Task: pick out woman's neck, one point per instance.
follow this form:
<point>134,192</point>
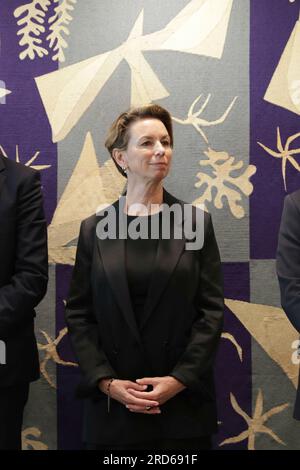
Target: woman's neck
<point>143,200</point>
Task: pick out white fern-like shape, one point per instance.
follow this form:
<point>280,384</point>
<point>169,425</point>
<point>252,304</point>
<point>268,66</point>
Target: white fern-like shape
<point>32,26</point>
<point>59,22</point>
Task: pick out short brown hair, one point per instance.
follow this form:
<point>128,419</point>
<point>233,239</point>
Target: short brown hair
<point>118,133</point>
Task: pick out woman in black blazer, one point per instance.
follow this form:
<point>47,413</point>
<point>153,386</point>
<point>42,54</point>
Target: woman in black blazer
<point>145,314</point>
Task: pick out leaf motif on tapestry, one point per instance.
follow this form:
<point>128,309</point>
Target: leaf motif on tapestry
<point>222,183</point>
<point>284,153</point>
<point>89,187</point>
<point>284,87</point>
<point>255,423</point>
<point>58,27</point>
<point>32,19</point>
<point>200,28</point>
<point>197,122</point>
<point>29,162</point>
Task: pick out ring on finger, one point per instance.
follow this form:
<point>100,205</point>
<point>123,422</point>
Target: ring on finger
<point>148,408</point>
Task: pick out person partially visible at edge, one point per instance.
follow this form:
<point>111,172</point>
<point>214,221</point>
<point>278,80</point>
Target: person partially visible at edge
<point>288,267</point>
<point>145,315</point>
<point>23,284</point>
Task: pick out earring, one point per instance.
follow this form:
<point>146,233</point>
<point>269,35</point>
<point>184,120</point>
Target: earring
<point>124,168</point>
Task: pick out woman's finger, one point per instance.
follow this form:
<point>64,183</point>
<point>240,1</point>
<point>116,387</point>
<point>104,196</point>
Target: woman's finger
<point>131,400</point>
<point>136,386</point>
<point>143,395</point>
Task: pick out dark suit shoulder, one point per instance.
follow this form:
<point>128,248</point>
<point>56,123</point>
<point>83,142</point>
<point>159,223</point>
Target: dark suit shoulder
<point>293,198</point>
<point>88,225</point>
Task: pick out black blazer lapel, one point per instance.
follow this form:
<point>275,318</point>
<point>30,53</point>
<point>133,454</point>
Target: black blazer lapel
<point>112,252</point>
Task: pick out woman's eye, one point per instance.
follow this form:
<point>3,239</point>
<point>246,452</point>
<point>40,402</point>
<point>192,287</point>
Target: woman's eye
<point>147,142</point>
<point>166,143</point>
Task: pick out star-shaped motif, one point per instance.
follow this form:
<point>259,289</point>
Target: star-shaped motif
<point>29,162</point>
<point>256,424</point>
<point>285,153</point>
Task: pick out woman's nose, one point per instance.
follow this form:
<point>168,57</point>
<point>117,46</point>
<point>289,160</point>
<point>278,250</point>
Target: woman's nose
<point>159,149</point>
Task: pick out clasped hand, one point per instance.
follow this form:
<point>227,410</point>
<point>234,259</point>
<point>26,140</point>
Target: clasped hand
<point>135,397</point>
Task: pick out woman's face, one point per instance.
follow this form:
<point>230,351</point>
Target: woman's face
<point>149,153</point>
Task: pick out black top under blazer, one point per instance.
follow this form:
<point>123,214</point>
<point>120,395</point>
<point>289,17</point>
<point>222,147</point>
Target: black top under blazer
<point>288,267</point>
<point>178,335</point>
<point>23,269</point>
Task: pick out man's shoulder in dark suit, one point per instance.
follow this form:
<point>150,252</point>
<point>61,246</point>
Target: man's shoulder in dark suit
<point>18,170</point>
<point>294,197</point>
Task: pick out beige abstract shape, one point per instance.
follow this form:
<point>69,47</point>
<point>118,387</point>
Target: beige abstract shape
<point>221,165</point>
<point>232,339</point>
<point>256,424</point>
<point>197,122</point>
<point>271,329</point>
<point>284,89</point>
<point>145,85</point>
<point>89,186</point>
<point>285,153</point>
<point>4,92</point>
<point>204,30</point>
<point>29,439</point>
<point>68,92</point>
<point>51,353</point>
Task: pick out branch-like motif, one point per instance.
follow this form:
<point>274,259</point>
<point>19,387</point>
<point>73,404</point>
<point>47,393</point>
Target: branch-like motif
<point>198,122</point>
<point>222,166</point>
<point>59,22</point>
<point>31,27</point>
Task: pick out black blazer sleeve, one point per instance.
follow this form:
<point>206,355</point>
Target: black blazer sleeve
<point>200,352</point>
<point>288,261</point>
<point>28,284</point>
<point>82,325</point>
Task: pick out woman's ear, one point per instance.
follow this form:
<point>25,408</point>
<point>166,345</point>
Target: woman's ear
<point>117,155</point>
